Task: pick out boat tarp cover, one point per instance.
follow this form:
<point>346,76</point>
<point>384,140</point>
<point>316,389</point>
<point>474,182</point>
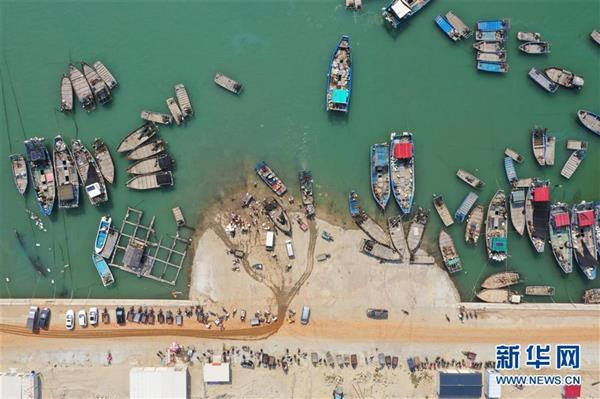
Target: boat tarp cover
<point>518,196</point>
<point>499,244</point>
<point>490,67</point>
<point>400,9</point>
<point>164,178</point>
<point>443,24</point>
<point>585,218</point>
<point>561,219</point>
<point>541,194</point>
<point>340,96</point>
<point>403,150</point>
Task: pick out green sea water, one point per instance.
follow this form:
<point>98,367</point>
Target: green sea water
<point>415,79</point>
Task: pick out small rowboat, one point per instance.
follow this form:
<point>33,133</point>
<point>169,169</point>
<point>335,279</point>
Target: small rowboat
<point>535,48</point>
<point>66,94</point>
<point>499,296</point>
<point>228,84</point>
<point>270,178</point>
<point>501,280</point>
<point>137,137</point>
<point>590,120</point>
<point>152,165</point>
<point>499,56</point>
<point>509,152</point>
<point>493,67</point>
<point>528,36</point>
<point>595,35</point>
<point>564,78</point>
<point>149,182</point>
<point>539,290</point>
<point>19,170</point>
<point>469,178</point>
<point>147,150</point>
<point>184,100</point>
<point>103,270</point>
<point>104,160</point>
<point>102,234</point>
<point>449,255</point>
<point>541,79</point>
<point>443,211</point>
<point>175,110</point>
<point>488,47</point>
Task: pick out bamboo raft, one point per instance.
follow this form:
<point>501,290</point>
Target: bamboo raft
<point>228,83</point>
<point>104,160</point>
<point>539,290</point>
<point>572,164</point>
<point>416,230</point>
<point>443,211</point>
<point>99,88</point>
<point>137,137</point>
<point>82,88</point>
<point>449,255</point>
<point>19,171</point>
<point>105,74</point>
<point>152,165</point>
<point>469,178</point>
<point>156,117</point>
<point>66,94</point>
<point>474,225</point>
<point>575,145</point>
<point>184,100</point>
<point>147,150</point>
<point>501,280</point>
<point>152,181</point>
<point>175,111</point>
<point>378,251</point>
<point>397,235</point>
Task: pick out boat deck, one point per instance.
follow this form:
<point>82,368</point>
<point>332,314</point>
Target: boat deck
<point>572,164</point>
<point>227,83</point>
<point>461,28</point>
<point>184,100</point>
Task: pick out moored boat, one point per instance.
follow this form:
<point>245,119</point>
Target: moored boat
<point>104,160</point>
<point>499,56</point>
<point>365,222</point>
<point>82,88</point>
<point>398,11</point>
<point>493,25</point>
<point>19,172</point>
<point>575,145</point>
<point>500,295</point>
<point>572,163</point>
<point>539,290</point>
<point>175,110</point>
<point>446,27</point>
<point>469,178</point>
<point>461,28</point>
<point>517,209</point>
<point>106,75</point>
<point>443,211</point>
<point>102,233</point>
<point>227,83</point>
<point>99,88</point>
<point>270,178</point>
<point>528,36</point>
<point>542,80</point>
<point>184,100</point>
<point>592,295</point>
<point>564,78</point>
<point>151,181</point>
<point>496,228</point>
<point>590,120</point>
<point>41,173</point>
<point>379,251</point>
<point>491,36</point>
<point>595,36</point>
<point>417,230</point>
<point>474,225</point>
<point>537,213</point>
<point>277,215</point>
<point>402,170</point>
<point>339,78</point>
<point>488,47</point>
<point>156,117</point>
<point>306,188</point>
<point>509,169</point>
<point>535,48</point>
<point>354,204</point>
<point>560,236</point>
<point>539,141</point>
<point>449,254</point>
<point>585,249</point>
<point>66,94</point>
<point>89,173</point>
<point>147,150</point>
<point>509,152</point>
<point>110,244</point>
<point>493,67</point>
<point>380,174</point>
<point>103,270</point>
<point>501,280</point>
<point>465,206</point>
<point>137,137</point>
<point>157,163</point>
<point>550,150</point>
<point>67,182</point>
<point>396,230</point>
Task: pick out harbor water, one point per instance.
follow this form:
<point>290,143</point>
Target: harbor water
<point>414,79</point>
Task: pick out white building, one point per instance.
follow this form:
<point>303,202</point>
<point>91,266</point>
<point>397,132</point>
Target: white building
<point>15,385</point>
<point>217,372</point>
<point>158,383</point>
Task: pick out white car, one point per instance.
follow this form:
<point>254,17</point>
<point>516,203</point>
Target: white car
<point>93,316</point>
<point>82,318</point>
<point>70,319</point>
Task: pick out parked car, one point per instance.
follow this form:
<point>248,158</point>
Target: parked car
<point>45,318</point>
<point>82,318</point>
<point>120,315</point>
<point>93,316</point>
<point>32,318</point>
<point>378,314</point>
<point>305,317</point>
<point>70,319</point>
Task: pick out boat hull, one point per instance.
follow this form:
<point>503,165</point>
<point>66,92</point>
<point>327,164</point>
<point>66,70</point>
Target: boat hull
<point>496,228</point>
<point>560,236</point>
<point>380,174</point>
<point>339,78</point>
<point>402,170</point>
<point>590,120</point>
<point>41,173</point>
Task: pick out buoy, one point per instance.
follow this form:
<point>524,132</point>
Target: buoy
<point>7,280</point>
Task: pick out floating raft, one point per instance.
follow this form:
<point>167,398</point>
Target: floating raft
<point>138,137</point>
<point>147,150</point>
<point>509,152</point>
<point>541,79</point>
<point>105,74</point>
<point>175,111</point>
<point>575,145</point>
<point>381,252</point>
<point>501,280</point>
<point>184,100</point>
<point>539,290</point>
<point>461,28</point>
<point>469,178</point>
<point>156,117</point>
<point>443,211</point>
<point>152,165</point>
<point>228,83</point>
<point>465,206</point>
<point>148,182</point>
<point>572,163</point>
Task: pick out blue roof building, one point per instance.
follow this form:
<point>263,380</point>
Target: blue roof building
<point>459,385</point>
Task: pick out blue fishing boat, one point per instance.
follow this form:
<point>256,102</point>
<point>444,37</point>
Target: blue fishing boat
<point>590,120</point>
<point>103,270</point>
<point>354,204</point>
<point>493,25</point>
<point>446,27</point>
<point>398,11</point>
<point>380,174</point>
<point>41,173</point>
<point>465,206</point>
<point>402,170</point>
<point>102,233</point>
<point>494,67</point>
<point>585,248</point>
<point>339,77</point>
<point>509,168</point>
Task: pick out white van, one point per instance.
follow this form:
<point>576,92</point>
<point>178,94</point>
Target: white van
<point>289,249</point>
<point>305,315</point>
<point>270,242</point>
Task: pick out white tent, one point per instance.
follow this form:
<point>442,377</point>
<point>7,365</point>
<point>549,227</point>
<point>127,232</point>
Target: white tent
<point>217,372</point>
<point>19,385</point>
<point>158,382</point>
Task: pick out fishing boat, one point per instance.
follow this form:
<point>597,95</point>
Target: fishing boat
<point>528,36</point>
<point>104,160</point>
<point>537,213</point>
<point>539,141</point>
<point>488,47</point>
<point>595,36</point>
<point>584,238</point>
<point>493,36</point>
<point>157,163</point>
<point>397,235</point>
<point>560,236</point>
<point>156,117</point>
<point>590,120</point>
<point>539,290</point>
<point>550,150</point>
<point>41,173</point>
<point>509,169</point>
<point>575,145</point>
<point>110,244</point>
<point>496,228</point>
<point>19,172</point>
<point>493,25</point>
<point>66,94</point>
<point>402,169</point>
<point>306,188</point>
<point>449,255</point>
<point>147,150</point>
<point>398,11</point>
<point>103,270</point>
<point>572,163</point>
<point>99,88</point>
<point>564,78</point>
<point>339,78</point>
<point>151,181</point>
<point>365,222</point>
<point>493,67</point>
<point>270,178</point>
<point>106,75</point>
<point>417,230</point>
<point>67,182</point>
<point>465,206</point>
<point>137,137</point>
<point>89,173</point>
<point>446,27</point>
<point>474,225</point>
<point>535,48</point>
<point>469,178</point>
<point>517,209</point>
<point>354,204</point>
<point>499,56</point>
<point>442,210</point>
<point>379,251</point>
<point>380,174</point>
<point>542,80</point>
<point>227,83</point>
<point>102,233</point>
<point>175,110</point>
<point>184,100</point>
<point>82,88</point>
<point>278,216</point>
<point>509,152</point>
<point>500,295</point>
<point>501,280</point>
<point>592,295</point>
<point>464,32</point>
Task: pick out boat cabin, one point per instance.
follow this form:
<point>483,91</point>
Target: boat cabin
<point>93,190</point>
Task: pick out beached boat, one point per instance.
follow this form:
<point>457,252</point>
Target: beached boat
<point>446,27</point>
<point>592,295</point>
<point>106,75</point>
<point>398,11</point>
<point>528,36</point>
<point>542,80</point>
<point>449,255</point>
<point>474,225</point>
<point>572,163</point>
<point>365,222</point>
<point>103,270</point>
<point>509,169</point>
<point>590,120</point>
<point>379,251</point>
<point>151,181</point>
<point>402,169</point>
<point>469,178</point>
<point>500,295</point>
<point>537,213</point>
<point>102,233</point>
<point>89,173</point>
<point>499,56</point>
<point>184,100</point>
<point>575,145</point>
<point>306,188</point>
<point>110,244</point>
<point>66,94</point>
<point>19,172</point>
<point>492,36</point>
<point>509,152</point>
<point>501,280</point>
<point>493,25</point>
<point>174,110</point>
<point>227,83</point>
<point>517,209</point>
<point>137,137</point>
<point>539,290</point>
<point>443,211</point>
<point>539,141</point>
<point>560,236</point>
<point>493,67</point>
<point>156,117</point>
<point>82,88</point>
<point>270,178</point>
<point>564,78</point>
<point>463,30</point>
<point>41,173</point>
<point>584,238</point>
<point>157,163</point>
<point>417,230</point>
<point>465,206</point>
<point>496,228</point>
<point>277,215</point>
<point>99,88</point>
<point>339,78</point>
<point>67,182</point>
<point>597,209</point>
<point>396,230</point>
<point>147,150</point>
<point>595,36</point>
<point>488,47</point>
<point>535,48</point>
<point>380,174</point>
<point>104,160</point>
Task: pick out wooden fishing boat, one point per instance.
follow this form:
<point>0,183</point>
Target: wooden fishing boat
<point>99,88</point>
<point>572,163</point>
<point>402,169</point>
<point>493,25</point>
<point>511,172</point>
<point>590,120</point>
<point>584,239</point>
<point>488,47</point>
<point>595,36</point>
<point>469,178</point>
<point>542,80</point>
<point>564,78</point>
<point>137,137</point>
<point>446,27</point>
<point>535,48</point>
<point>465,206</point>
<point>492,36</point>
<point>443,211</point>
<point>592,295</point>
<point>501,280</point>
<point>66,94</point>
<point>89,173</point>
<point>147,150</point>
<point>106,75</point>
<point>156,117</point>
<point>575,145</point>
<point>397,235</point>
<point>157,163</point>
<point>499,56</point>
<point>417,230</point>
<point>103,270</point>
<point>41,173</point>
<point>509,152</point>
<point>539,290</point>
<point>517,209</point>
<point>19,172</point>
<point>398,11</point>
<point>498,296</point>
<point>306,188</point>
<point>493,67</point>
<point>464,32</point>
<point>474,225</point>
<point>528,36</point>
<point>110,244</point>
<point>380,174</point>
<point>67,182</point>
<point>104,160</point>
<point>270,178</point>
<point>102,233</point>
<point>365,222</point>
<point>82,88</point>
<point>339,78</point>
<point>537,213</point>
<point>449,255</point>
<point>561,243</point>
<point>184,101</point>
<point>273,209</point>
<point>539,141</point>
<point>379,251</point>
<point>228,84</point>
<point>151,181</point>
<point>550,150</point>
<point>175,111</point>
<point>496,228</point>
